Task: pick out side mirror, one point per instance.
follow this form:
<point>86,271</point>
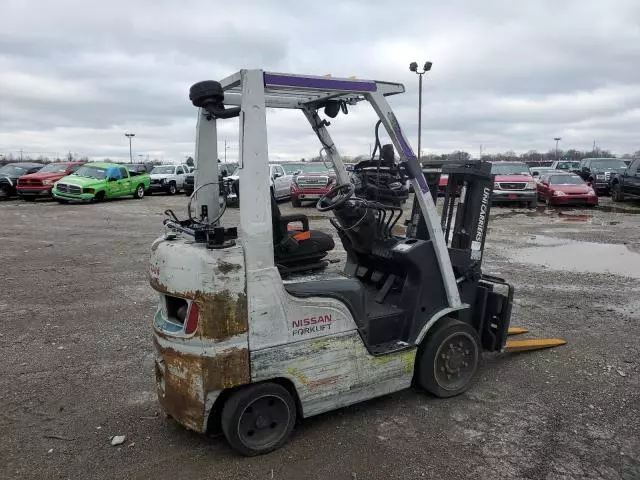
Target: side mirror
<point>536,174</point>
<point>589,184</point>
<point>276,175</point>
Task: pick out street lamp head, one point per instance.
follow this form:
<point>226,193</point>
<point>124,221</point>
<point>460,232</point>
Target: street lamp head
<point>129,135</point>
<point>557,139</point>
<point>427,66</point>
<point>413,66</point>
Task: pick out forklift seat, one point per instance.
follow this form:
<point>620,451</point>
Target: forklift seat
<point>297,249</point>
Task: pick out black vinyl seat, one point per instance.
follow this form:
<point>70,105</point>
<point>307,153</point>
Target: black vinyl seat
<point>299,249</point>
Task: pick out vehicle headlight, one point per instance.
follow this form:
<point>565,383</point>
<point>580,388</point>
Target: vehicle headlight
<point>88,190</point>
<point>162,180</point>
<point>600,176</point>
<point>496,186</point>
<point>558,193</point>
<point>591,191</point>
<point>530,186</point>
<point>47,182</point>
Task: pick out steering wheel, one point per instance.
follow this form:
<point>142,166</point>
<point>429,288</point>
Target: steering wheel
<point>335,197</point>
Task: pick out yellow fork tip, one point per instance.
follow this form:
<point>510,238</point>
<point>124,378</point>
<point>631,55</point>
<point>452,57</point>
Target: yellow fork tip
<point>517,330</point>
<point>533,344</point>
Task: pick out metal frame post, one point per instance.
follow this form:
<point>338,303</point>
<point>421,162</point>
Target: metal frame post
<point>421,188</point>
<point>207,192</point>
<point>325,138</point>
<point>255,214</point>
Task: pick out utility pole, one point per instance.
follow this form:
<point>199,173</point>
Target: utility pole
<point>413,67</point>
<point>130,136</point>
<point>225,151</point>
<point>480,151</point>
<point>557,139</point>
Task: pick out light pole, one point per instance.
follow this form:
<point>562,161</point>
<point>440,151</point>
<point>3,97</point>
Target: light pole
<point>557,139</point>
<point>413,67</point>
<point>130,136</point>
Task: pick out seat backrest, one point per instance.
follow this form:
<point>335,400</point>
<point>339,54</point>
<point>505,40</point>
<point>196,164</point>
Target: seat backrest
<point>278,231</point>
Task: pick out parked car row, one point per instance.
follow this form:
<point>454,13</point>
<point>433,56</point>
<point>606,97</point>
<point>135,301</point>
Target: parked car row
<point>88,181</point>
<point>564,182</point>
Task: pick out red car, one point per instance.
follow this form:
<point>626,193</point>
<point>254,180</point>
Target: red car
<point>39,184</point>
<point>311,182</point>
<point>513,182</point>
<point>560,188</point>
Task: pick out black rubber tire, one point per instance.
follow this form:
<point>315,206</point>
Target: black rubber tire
<point>616,193</point>
<point>61,201</point>
<point>29,199</point>
<point>532,204</point>
<point>139,193</point>
<point>172,190</point>
<point>295,202</point>
<point>100,197</point>
<point>236,407</point>
<point>445,332</point>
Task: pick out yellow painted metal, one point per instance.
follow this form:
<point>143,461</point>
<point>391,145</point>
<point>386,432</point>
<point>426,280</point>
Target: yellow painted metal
<point>517,330</point>
<point>532,344</point>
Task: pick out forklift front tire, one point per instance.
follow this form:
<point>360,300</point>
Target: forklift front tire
<point>258,418</point>
<point>449,360</point>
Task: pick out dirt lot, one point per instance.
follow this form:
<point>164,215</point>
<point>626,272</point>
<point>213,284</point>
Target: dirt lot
<point>77,362</point>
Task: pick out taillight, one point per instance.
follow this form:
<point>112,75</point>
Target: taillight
<point>192,318</point>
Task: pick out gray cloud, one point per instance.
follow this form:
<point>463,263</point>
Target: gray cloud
<point>508,75</point>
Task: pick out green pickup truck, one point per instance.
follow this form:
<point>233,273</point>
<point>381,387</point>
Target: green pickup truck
<point>98,181</point>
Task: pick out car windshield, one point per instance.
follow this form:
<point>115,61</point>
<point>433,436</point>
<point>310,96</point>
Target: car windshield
<point>566,180</point>
<point>99,173</point>
<point>608,163</point>
<point>53,168</point>
<point>568,165</point>
<point>12,171</point>
<point>164,170</point>
<point>292,168</point>
<point>510,169</point>
<point>313,168</point>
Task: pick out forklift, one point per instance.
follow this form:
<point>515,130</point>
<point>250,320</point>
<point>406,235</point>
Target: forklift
<point>255,329</point>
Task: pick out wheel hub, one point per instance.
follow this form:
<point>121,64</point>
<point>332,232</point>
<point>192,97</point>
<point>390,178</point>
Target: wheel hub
<point>263,421</point>
<point>455,361</point>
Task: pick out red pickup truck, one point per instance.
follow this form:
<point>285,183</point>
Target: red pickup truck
<point>39,184</point>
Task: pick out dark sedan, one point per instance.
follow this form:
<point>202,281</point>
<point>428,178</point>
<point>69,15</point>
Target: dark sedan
<point>10,173</point>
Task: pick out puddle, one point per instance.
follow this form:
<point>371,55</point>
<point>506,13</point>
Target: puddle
<point>576,256</point>
<point>630,210</point>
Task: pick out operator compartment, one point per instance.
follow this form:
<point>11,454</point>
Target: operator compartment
<point>384,276</point>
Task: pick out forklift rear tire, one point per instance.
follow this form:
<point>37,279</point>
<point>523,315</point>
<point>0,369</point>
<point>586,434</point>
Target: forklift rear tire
<point>258,418</point>
<point>450,359</point>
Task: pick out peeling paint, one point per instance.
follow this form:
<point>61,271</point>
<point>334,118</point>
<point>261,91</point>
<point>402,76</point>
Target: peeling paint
<point>334,371</point>
<point>226,370</point>
<point>226,267</point>
<point>222,315</point>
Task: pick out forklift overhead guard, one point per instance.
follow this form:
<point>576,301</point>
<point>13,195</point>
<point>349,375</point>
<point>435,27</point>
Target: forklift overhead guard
<point>254,328</point>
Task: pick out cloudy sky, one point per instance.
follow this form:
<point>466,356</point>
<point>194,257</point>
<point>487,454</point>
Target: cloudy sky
<point>76,75</point>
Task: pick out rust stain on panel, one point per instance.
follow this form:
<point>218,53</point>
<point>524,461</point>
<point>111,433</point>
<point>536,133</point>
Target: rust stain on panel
<point>183,393</point>
<point>225,370</point>
<point>157,285</point>
<point>226,267</point>
<point>223,314</point>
